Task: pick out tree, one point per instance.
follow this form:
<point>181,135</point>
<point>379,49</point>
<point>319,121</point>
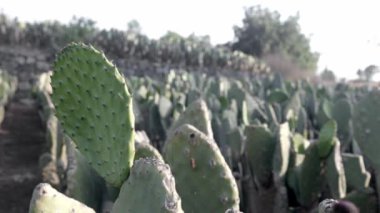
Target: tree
<point>368,73</point>
<point>328,75</point>
<point>263,33</point>
<point>134,27</point>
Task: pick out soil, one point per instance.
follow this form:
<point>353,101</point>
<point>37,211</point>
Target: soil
<point>21,139</point>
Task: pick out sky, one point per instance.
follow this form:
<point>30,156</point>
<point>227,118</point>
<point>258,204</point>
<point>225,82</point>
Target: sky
<point>345,33</point>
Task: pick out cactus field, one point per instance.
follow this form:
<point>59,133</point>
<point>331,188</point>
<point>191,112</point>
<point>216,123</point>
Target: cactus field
<point>197,142</point>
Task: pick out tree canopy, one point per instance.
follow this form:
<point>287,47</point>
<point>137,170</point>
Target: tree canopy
<point>368,73</point>
<point>264,33</point>
<point>328,75</point>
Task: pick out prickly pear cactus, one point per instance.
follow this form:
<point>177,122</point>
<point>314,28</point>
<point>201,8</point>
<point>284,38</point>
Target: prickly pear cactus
<point>144,150</point>
<point>48,200</point>
<point>149,188</point>
<point>83,183</point>
<point>342,113</point>
<point>204,180</point>
<point>261,145</point>
<point>309,176</point>
<point>326,139</point>
<point>196,114</point>
<point>357,175</point>
<point>364,199</point>
<point>94,107</point>
<point>282,151</point>
<point>335,174</point>
<point>367,122</point>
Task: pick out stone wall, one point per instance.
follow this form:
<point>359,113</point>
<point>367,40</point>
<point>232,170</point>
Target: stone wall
<point>24,63</point>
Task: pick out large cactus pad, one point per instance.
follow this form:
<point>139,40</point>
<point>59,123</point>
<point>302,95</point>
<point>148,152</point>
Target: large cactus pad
<point>150,188</point>
<point>94,107</point>
<point>204,180</point>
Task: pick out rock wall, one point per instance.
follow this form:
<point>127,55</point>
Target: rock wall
<point>24,63</point>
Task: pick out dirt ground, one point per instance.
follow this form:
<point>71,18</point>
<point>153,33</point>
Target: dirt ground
<point>21,140</point>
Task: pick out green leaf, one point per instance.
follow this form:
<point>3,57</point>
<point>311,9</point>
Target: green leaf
<point>278,96</point>
<point>326,138</point>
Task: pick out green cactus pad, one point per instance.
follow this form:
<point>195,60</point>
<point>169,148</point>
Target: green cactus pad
<point>299,143</point>
<point>302,124</point>
<point>83,183</point>
<point>145,150</point>
<point>309,176</point>
<point>356,174</point>
<point>196,114</point>
<point>204,180</point>
<point>335,175</point>
<point>326,138</point>
<point>364,199</point>
<point>150,188</point>
<point>48,200</point>
<point>277,96</point>
<point>366,126</point>
<point>282,151</point>
<point>261,145</point>
<point>324,112</point>
<point>94,107</point>
<point>342,113</point>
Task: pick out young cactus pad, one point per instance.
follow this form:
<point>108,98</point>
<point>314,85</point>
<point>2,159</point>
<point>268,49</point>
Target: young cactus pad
<point>94,107</point>
<point>150,188</point>
<point>197,115</point>
<point>145,150</point>
<point>48,200</point>
<point>204,180</point>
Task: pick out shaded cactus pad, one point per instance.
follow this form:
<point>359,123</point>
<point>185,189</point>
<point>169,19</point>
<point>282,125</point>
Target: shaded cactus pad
<point>150,188</point>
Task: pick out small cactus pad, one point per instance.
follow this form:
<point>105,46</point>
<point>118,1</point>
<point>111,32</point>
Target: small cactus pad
<point>149,188</point>
<point>326,138</point>
<point>282,151</point>
<point>46,199</point>
<point>145,150</point>
<point>196,114</point>
<point>204,180</point>
<point>94,107</point>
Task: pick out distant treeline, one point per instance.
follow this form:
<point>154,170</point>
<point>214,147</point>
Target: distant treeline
<point>171,49</point>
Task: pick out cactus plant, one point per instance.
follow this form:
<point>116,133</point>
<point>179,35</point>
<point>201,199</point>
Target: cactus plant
<point>204,180</point>
<point>145,150</point>
<point>150,180</point>
<point>94,106</point>
<point>366,124</point>
<point>196,114</point>
<point>335,173</point>
<point>82,182</point>
<point>48,200</point>
<point>356,174</point>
